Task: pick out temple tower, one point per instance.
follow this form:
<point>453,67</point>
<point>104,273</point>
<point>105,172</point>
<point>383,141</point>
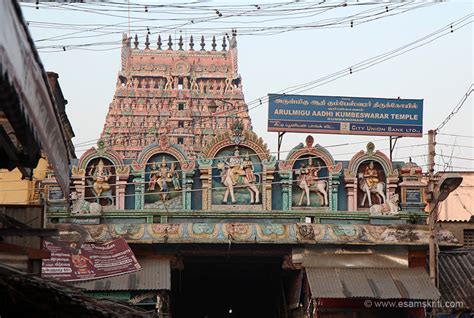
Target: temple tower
<point>189,92</point>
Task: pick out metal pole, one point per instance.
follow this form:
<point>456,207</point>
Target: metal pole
<point>393,144</point>
<point>432,204</point>
<point>280,140</point>
<point>391,150</point>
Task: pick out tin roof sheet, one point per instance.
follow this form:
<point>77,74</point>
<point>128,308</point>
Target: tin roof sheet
<point>154,275</point>
<point>378,283</point>
<point>456,277</point>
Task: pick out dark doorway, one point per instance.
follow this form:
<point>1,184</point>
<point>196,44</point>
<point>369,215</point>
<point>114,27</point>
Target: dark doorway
<point>217,287</point>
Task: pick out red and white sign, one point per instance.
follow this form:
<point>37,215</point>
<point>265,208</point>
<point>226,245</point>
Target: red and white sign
<point>93,261</point>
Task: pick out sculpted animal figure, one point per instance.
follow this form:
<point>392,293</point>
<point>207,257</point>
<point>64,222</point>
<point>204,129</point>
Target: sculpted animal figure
<point>369,182</point>
<point>308,181</point>
<point>320,187</point>
<point>388,208</point>
<point>231,178</point>
<point>377,189</point>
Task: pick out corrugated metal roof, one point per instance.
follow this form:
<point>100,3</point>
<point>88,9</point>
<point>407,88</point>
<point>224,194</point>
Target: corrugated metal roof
<point>456,277</point>
<point>377,283</point>
<point>414,283</point>
<point>154,275</point>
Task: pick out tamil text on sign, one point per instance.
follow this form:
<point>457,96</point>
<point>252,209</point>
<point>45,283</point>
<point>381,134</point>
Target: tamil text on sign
<point>345,115</point>
<point>92,261</point>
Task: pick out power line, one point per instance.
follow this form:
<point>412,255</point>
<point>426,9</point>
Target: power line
<point>253,155</point>
<point>348,21</point>
<point>460,146</point>
<point>457,107</point>
<point>454,135</point>
<point>367,63</point>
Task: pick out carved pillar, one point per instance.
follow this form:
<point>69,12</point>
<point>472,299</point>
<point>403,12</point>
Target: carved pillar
<point>139,183</point>
<point>285,183</point>
<point>121,180</point>
<point>392,185</point>
<point>351,189</point>
<point>333,191</point>
<point>267,182</point>
<point>120,194</point>
<point>187,189</point>
<point>206,182</point>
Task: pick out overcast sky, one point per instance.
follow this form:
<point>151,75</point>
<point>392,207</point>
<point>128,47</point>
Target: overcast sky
<point>439,72</point>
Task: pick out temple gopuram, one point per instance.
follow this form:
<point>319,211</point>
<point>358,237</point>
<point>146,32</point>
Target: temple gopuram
<point>219,226</point>
<point>189,96</point>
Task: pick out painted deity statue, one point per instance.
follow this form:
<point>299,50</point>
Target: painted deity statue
<point>238,172</point>
<point>308,181</point>
<point>235,164</point>
<point>369,182</point>
<point>162,176</point>
<point>247,165</point>
<point>371,175</point>
<point>100,175</point>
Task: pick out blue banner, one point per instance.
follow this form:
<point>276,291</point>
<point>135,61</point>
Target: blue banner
<point>345,115</point>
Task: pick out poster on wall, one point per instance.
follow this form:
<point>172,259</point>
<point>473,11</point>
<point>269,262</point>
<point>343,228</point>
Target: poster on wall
<point>345,115</point>
<point>92,261</point>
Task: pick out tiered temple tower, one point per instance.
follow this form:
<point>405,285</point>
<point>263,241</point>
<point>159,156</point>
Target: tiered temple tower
<point>190,95</point>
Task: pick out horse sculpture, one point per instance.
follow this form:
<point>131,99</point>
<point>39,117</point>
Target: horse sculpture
<point>227,179</point>
<point>319,187</point>
<point>377,189</point>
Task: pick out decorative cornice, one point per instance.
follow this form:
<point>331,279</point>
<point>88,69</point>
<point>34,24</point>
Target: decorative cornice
<point>247,138</point>
<point>370,155</point>
<point>92,153</point>
<point>164,147</point>
<point>317,151</point>
<point>121,170</point>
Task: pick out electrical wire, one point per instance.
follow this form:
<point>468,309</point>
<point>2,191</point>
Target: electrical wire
<point>367,63</point>
<point>457,107</point>
<point>230,156</point>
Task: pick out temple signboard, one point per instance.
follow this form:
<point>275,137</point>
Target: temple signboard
<point>345,115</point>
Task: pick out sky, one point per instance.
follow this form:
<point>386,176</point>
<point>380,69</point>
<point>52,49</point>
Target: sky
<point>439,72</point>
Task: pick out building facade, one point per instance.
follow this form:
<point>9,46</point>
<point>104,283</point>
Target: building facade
<point>221,226</point>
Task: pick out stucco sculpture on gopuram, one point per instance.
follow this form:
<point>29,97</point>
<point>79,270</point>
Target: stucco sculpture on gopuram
<point>162,176</point>
<point>100,176</point>
<point>370,179</point>
<point>186,91</point>
<point>236,172</point>
<point>178,145</point>
<point>309,178</point>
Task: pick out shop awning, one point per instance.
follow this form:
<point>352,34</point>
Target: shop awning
<point>155,275</point>
<point>29,117</point>
<point>377,283</point>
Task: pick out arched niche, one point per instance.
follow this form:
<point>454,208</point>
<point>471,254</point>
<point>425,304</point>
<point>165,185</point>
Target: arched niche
<point>322,177</point>
<point>100,176</point>
<point>354,177</point>
<point>87,180</point>
<point>378,173</point>
<point>162,176</point>
<point>223,147</point>
<point>252,172</point>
